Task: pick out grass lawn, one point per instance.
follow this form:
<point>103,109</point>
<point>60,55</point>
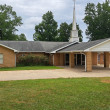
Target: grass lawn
<point>30,68</point>
<point>56,94</point>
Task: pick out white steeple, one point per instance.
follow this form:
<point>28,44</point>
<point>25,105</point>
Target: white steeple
<point>74,32</point>
<point>74,18</point>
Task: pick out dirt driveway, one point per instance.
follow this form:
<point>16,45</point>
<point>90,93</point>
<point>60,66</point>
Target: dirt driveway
<point>48,74</point>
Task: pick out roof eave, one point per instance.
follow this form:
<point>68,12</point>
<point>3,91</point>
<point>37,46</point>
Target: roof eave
<point>9,48</point>
<point>71,51</point>
<point>33,51</point>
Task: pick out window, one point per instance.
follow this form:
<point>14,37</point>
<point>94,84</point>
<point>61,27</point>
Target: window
<point>98,57</point>
<point>1,58</point>
<point>23,55</point>
<point>103,57</point>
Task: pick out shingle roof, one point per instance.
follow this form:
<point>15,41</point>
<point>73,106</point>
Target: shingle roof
<point>58,47</point>
<point>48,47</point>
<point>82,46</point>
<point>33,46</point>
<point>51,46</point>
<point>23,45</point>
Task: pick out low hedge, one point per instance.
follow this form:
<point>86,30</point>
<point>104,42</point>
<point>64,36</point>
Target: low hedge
<point>33,60</point>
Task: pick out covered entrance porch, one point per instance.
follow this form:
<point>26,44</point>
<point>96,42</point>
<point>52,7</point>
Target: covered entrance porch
<point>87,60</point>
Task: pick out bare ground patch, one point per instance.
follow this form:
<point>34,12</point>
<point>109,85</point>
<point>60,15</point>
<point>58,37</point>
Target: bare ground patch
<point>105,81</point>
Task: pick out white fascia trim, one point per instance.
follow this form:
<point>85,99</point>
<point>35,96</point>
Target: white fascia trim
<point>97,51</point>
<point>96,45</point>
<point>71,51</point>
<point>63,47</point>
<point>9,48</point>
<point>32,51</point>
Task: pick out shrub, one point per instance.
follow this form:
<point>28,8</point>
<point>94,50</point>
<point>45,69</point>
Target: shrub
<point>32,60</point>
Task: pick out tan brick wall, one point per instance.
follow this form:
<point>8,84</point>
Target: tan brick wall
<point>102,58</point>
<point>88,61</point>
<point>109,58</point>
<point>94,58</point>
<point>8,57</point>
<point>51,59</point>
<point>59,59</point>
<point>62,59</point>
<point>71,58</point>
<point>106,59</point>
<point>56,59</point>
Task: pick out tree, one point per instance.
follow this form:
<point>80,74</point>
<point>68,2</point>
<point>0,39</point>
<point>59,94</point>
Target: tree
<point>98,20</point>
<point>80,33</point>
<point>47,29</point>
<point>64,32</point>
<point>22,37</point>
<point>8,22</point>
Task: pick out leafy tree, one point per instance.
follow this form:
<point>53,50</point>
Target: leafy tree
<point>22,37</point>
<point>47,29</point>
<point>80,33</point>
<point>98,20</point>
<point>64,32</point>
<point>8,22</point>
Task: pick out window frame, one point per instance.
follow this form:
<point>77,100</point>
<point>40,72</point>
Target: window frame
<point>1,59</point>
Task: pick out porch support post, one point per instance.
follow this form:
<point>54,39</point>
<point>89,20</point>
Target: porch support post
<point>56,59</point>
<point>106,59</point>
<point>62,59</point>
<point>94,57</point>
<point>88,62</point>
<point>71,60</point>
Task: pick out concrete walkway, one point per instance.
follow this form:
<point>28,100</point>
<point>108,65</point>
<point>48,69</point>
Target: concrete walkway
<point>48,74</point>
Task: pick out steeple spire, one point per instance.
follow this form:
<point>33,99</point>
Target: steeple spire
<point>74,18</point>
<point>74,32</point>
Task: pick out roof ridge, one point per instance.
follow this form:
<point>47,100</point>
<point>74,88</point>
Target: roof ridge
<point>30,41</point>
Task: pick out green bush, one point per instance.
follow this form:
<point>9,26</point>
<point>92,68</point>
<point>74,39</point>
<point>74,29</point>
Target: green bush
<point>32,60</point>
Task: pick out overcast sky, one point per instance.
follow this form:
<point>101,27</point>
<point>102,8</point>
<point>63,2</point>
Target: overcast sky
<point>31,12</point>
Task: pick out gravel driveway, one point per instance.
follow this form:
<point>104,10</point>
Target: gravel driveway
<point>48,74</point>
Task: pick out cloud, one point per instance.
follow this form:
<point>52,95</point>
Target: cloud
<point>32,10</point>
<point>30,22</point>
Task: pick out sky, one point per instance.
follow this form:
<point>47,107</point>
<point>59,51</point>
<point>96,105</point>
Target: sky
<point>31,12</point>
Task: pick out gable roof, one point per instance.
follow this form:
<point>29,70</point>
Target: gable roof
<point>59,47</point>
<point>32,46</point>
<point>49,47</point>
<point>83,46</point>
<point>23,46</point>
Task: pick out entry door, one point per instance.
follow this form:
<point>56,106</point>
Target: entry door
<point>79,59</point>
<point>67,59</point>
<point>83,59</point>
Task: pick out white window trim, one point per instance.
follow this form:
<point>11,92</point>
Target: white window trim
<point>1,59</point>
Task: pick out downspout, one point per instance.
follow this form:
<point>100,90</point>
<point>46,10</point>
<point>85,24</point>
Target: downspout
<point>85,63</point>
<point>15,59</point>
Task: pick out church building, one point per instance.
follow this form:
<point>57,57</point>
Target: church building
<point>72,53</point>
